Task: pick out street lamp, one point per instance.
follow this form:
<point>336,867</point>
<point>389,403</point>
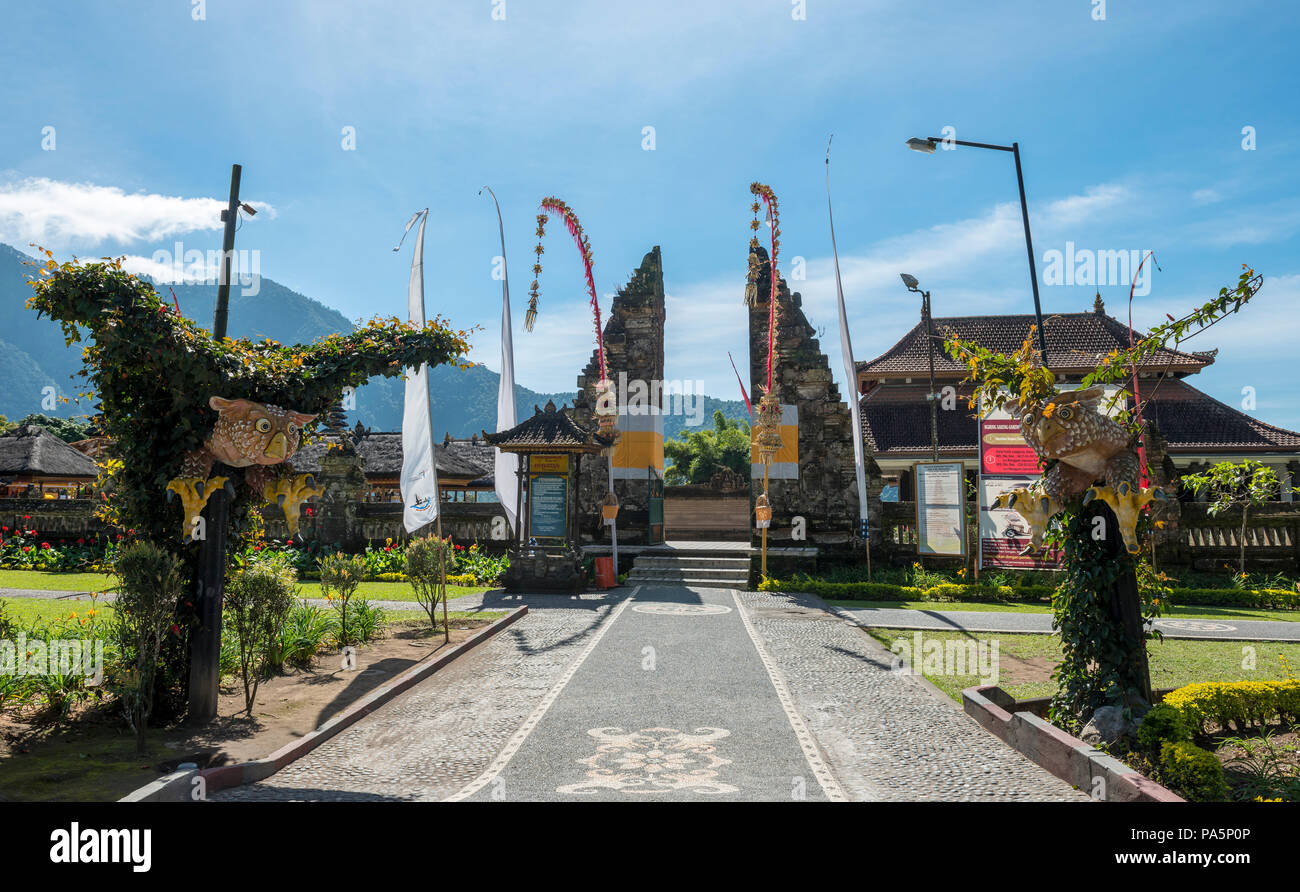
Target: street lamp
<point>927,146</point>
<point>915,287</point>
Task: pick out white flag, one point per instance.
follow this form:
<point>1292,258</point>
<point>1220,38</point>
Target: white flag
<point>507,463</point>
<point>850,368</point>
<point>419,476</point>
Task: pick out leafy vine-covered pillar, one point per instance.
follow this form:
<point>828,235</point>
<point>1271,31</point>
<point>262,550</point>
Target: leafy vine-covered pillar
<point>1099,613</point>
<point>178,403</point>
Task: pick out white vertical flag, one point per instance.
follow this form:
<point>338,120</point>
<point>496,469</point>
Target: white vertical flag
<point>850,367</point>
<point>506,481</point>
<point>419,476</point>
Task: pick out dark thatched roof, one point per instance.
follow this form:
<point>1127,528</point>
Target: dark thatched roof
<point>1076,342</point>
<point>549,429</point>
<point>32,451</point>
<point>381,455</point>
<point>896,422</point>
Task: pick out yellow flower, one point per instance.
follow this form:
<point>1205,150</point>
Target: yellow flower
<point>1049,410</point>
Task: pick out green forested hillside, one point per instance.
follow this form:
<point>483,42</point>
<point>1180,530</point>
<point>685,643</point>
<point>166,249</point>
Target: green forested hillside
<point>33,356</point>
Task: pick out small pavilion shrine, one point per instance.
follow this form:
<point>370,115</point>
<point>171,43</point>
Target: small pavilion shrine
<point>545,554</point>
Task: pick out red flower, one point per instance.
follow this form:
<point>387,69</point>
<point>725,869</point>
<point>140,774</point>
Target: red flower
<point>119,537</point>
<point>309,512</point>
<point>45,545</point>
<point>27,517</point>
<point>27,548</point>
<point>81,541</point>
<point>175,629</point>
<point>6,529</point>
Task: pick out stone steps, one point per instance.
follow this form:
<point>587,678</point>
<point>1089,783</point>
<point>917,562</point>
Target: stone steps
<point>721,570</point>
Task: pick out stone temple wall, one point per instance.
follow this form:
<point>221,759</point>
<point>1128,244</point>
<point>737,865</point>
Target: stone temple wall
<point>634,351</point>
<point>824,492</point>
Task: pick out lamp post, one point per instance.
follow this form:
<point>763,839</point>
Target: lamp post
<point>927,146</point>
<point>914,286</point>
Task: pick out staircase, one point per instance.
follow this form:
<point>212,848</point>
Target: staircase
<point>721,567</point>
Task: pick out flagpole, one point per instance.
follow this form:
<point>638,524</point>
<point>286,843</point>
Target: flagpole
<point>506,464</point>
<point>855,411</point>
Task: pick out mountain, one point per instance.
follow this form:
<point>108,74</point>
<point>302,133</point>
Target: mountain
<point>33,356</point>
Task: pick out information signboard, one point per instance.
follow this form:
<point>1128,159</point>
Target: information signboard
<point>940,508</point>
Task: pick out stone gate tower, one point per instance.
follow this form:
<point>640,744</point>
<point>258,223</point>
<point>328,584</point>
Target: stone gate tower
<point>634,361</point>
<point>813,475</point>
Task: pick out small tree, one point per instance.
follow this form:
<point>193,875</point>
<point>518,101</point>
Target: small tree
<point>259,597</point>
<point>150,584</point>
<point>1229,485</point>
<point>340,574</point>
<point>427,561</point>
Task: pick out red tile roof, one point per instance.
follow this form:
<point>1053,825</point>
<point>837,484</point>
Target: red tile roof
<point>1075,343</point>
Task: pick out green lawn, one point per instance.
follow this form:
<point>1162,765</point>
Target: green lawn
<point>57,582</point>
<point>1024,659</point>
<point>98,582</point>
<point>1289,616</point>
<point>27,610</point>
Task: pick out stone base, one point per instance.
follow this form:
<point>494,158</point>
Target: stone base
<point>537,570</point>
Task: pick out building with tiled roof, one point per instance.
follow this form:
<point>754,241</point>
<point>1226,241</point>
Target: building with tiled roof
<point>1197,428</point>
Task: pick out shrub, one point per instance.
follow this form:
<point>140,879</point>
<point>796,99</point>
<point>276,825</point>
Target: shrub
<point>150,584</point>
<point>428,558</point>
<point>259,596</point>
<point>368,622</point>
<point>305,631</point>
<point>340,574</point>
<point>1195,772</point>
<point>1236,703</point>
<point>1162,723</point>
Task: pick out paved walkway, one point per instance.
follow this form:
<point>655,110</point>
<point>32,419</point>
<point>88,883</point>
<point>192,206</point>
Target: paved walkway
<point>987,621</point>
<point>667,693</point>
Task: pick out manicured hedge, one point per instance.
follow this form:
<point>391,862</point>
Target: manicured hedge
<point>1241,703</point>
<point>885,591</point>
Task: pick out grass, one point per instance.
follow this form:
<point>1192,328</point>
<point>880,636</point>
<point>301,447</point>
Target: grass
<point>98,582</point>
<point>1197,612</point>
<point>56,582</point>
<point>24,611</point>
<point>1174,662</point>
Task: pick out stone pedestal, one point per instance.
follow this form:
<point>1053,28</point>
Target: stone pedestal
<point>540,570</point>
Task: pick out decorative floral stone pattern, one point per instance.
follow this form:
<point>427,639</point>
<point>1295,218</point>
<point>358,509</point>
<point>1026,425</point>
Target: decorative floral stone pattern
<point>654,760</point>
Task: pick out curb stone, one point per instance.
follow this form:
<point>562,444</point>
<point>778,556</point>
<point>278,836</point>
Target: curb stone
<point>177,787</point>
<point>1057,752</point>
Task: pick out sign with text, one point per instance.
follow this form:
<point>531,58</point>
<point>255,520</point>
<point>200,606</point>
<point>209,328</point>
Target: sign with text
<point>1003,533</point>
<point>1007,462</point>
<point>940,508</point>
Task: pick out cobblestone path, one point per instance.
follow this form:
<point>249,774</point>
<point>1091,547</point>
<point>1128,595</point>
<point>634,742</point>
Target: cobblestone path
<point>667,693</point>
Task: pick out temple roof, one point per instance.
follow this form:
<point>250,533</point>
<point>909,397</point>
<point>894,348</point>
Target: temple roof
<point>896,422</point>
<point>548,430</point>
<point>32,451</point>
<point>1076,342</point>
<point>381,454</point>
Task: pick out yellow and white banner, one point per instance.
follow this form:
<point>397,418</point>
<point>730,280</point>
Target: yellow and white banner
<point>640,443</point>
<point>785,466</point>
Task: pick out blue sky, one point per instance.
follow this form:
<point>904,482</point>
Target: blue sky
<point>1131,130</point>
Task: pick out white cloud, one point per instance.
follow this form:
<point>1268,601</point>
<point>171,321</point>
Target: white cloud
<point>68,216</point>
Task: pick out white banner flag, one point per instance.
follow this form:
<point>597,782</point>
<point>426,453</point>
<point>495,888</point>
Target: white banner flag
<point>850,367</point>
<point>419,475</point>
<point>506,481</point>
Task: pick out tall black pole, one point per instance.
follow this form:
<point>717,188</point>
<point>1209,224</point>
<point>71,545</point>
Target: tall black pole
<point>931,396</point>
<point>205,644</point>
<point>1029,245</point>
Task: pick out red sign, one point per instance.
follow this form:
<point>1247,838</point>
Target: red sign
<point>1003,450</point>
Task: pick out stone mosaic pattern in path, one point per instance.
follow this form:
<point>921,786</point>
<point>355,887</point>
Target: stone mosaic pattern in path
<point>886,736</point>
<point>433,740</point>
